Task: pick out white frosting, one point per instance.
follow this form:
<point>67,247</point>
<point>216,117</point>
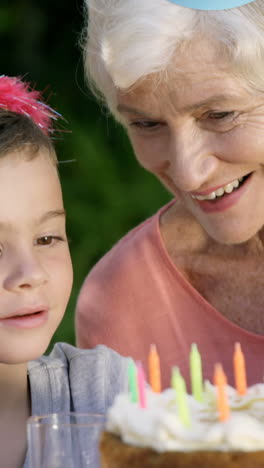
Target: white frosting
<point>158,426</point>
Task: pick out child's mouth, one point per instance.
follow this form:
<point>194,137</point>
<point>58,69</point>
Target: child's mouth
<point>28,320</point>
<point>27,315</point>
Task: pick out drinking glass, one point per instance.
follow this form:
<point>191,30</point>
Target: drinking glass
<point>64,440</point>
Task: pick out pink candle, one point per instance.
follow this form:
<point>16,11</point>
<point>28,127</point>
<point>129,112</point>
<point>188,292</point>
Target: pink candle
<point>141,386</point>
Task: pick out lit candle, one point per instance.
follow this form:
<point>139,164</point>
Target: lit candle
<point>141,385</point>
<point>240,370</point>
<point>196,373</point>
<point>154,369</point>
<point>132,381</point>
<point>220,382</point>
<point>178,383</point>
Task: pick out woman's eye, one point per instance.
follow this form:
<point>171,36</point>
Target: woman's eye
<point>220,115</point>
<point>48,240</point>
<point>146,124</point>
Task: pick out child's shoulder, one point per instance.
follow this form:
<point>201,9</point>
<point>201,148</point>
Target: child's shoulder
<point>77,379</point>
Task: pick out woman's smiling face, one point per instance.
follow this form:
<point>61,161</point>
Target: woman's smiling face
<point>202,134</point>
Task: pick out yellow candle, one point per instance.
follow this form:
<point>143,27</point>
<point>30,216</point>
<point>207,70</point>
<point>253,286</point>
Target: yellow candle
<point>220,382</point>
<point>178,383</point>
<point>154,369</point>
<point>196,373</point>
<point>240,370</point>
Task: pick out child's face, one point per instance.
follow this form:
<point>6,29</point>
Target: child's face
<point>35,263</point>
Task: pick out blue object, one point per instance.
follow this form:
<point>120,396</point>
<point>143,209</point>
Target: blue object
<point>72,379</point>
<point>211,4</point>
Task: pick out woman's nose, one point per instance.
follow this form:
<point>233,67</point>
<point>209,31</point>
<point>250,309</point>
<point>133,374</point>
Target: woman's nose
<point>192,160</point>
<point>25,271</point>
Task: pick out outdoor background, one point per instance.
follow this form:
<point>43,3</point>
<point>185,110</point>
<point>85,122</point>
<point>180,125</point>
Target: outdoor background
<point>106,193</point>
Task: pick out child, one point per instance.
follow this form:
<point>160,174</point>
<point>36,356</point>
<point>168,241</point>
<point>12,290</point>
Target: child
<point>36,281</point>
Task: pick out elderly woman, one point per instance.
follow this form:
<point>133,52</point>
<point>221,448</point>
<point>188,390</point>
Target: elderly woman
<point>188,87</point>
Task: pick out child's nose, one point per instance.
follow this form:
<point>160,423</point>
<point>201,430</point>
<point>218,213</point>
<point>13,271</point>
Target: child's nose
<point>25,271</point>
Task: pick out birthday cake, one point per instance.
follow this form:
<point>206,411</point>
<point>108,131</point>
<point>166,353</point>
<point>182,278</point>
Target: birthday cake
<point>224,429</point>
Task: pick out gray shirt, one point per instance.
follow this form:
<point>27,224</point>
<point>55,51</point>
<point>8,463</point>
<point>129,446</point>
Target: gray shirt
<point>72,379</point>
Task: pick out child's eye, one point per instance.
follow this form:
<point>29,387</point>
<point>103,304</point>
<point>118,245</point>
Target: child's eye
<point>48,240</point>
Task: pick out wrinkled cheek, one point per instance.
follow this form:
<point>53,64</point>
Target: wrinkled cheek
<point>144,159</point>
<point>169,184</point>
<point>155,166</point>
<point>150,156</point>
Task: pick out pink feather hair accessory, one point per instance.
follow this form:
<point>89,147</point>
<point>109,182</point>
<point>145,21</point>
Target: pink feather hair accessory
<point>18,96</point>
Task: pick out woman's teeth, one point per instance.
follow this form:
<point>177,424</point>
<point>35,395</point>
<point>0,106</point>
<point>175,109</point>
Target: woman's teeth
<point>221,191</point>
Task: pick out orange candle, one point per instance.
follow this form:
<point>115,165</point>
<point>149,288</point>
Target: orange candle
<point>154,369</point>
<point>220,382</point>
<point>240,370</point>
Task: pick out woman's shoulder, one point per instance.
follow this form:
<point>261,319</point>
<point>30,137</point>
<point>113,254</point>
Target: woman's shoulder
<point>136,246</point>
<point>145,249</point>
<point>135,237</point>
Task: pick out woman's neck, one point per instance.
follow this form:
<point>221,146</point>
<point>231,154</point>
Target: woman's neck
<point>182,235</point>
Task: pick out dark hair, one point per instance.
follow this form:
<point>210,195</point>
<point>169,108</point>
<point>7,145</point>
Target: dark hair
<point>17,131</point>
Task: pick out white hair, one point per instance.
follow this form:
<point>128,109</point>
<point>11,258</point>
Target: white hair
<point>127,40</point>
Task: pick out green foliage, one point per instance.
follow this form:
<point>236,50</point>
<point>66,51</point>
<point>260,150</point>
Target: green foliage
<point>106,193</point>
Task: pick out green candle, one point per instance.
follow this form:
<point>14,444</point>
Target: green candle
<point>178,383</point>
<point>132,381</point>
<point>196,373</point>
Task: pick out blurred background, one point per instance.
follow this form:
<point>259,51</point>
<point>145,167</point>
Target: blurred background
<point>106,193</point>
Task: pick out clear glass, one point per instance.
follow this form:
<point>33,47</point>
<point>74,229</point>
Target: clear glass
<point>64,440</point>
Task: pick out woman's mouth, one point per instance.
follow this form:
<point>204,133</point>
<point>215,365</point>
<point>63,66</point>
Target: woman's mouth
<point>223,198</point>
<point>223,191</point>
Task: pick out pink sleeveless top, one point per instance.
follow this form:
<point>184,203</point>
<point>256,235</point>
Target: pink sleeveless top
<point>135,296</point>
